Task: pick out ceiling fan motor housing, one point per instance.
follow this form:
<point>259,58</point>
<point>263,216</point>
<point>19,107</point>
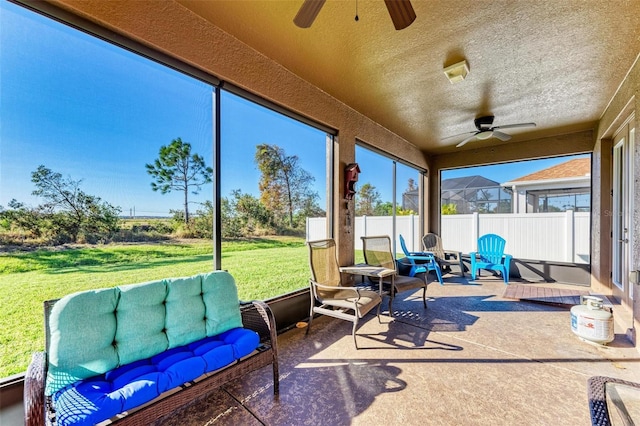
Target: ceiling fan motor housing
<point>484,123</point>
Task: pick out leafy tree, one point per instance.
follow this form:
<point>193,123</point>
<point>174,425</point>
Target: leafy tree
<point>504,206</point>
<point>253,213</point>
<point>285,187</point>
<point>386,209</point>
<point>404,212</point>
<point>383,209</point>
<point>448,208</point>
<point>70,210</point>
<point>367,200</point>
<point>244,215</point>
<point>200,224</point>
<point>176,168</point>
<point>22,219</point>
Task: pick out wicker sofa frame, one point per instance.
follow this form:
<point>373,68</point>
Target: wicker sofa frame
<point>256,316</point>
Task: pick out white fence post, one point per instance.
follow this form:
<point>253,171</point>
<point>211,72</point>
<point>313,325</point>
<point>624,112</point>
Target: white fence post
<point>475,229</point>
<point>413,233</point>
<point>569,237</point>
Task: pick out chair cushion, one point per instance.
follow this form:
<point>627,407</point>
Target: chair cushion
<point>346,298</point>
<point>83,330</point>
<point>220,297</point>
<point>124,324</point>
<point>185,317</point>
<point>403,282</point>
<point>140,316</point>
<point>99,398</point>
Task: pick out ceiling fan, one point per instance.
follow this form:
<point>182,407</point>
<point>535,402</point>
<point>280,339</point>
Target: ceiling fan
<point>487,130</point>
<point>401,12</point>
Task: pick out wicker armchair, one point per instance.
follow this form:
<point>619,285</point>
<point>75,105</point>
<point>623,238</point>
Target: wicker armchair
<point>328,296</point>
<point>377,252</point>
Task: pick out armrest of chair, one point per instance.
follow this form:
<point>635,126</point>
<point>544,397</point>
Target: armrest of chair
<point>456,254</point>
<point>507,261</point>
<point>257,316</point>
<point>356,290</point>
<point>34,400</point>
<point>421,255</point>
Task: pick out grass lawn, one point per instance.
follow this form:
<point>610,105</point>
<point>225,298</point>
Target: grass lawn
<point>263,268</point>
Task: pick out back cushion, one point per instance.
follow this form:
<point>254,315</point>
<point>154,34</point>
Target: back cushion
<point>141,321</point>
<point>82,335</point>
<point>220,297</point>
<point>185,320</point>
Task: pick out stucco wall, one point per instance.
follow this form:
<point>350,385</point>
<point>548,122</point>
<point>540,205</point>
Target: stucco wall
<point>625,102</point>
<point>174,30</point>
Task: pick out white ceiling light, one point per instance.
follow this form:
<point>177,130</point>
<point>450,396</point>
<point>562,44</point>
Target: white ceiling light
<point>457,72</point>
<point>484,135</point>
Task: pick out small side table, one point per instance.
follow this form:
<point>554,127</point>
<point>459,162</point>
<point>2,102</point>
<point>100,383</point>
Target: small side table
<point>365,270</point>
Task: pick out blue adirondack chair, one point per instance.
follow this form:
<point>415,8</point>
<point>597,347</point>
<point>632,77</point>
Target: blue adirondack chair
<point>421,262</point>
<point>490,256</point>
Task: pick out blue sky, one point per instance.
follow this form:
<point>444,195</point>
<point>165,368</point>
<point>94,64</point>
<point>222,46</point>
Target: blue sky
<point>97,113</point>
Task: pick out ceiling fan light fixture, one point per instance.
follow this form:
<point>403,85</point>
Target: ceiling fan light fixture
<point>457,72</point>
<point>484,135</point>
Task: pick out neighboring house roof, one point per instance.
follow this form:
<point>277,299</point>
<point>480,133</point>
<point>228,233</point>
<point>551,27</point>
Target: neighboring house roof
<point>579,167</point>
<point>573,174</point>
<point>467,182</point>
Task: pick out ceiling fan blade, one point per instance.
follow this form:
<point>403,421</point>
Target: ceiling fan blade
<point>511,126</point>
<point>458,135</point>
<point>308,12</point>
<point>464,142</point>
<point>502,136</point>
<point>401,13</point>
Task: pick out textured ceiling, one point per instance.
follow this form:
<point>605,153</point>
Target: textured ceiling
<point>555,62</point>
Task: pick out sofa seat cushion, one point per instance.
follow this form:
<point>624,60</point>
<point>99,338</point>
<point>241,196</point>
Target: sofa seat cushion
<point>99,398</point>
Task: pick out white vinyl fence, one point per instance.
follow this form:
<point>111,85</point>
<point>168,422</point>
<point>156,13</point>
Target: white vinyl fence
<point>559,237</point>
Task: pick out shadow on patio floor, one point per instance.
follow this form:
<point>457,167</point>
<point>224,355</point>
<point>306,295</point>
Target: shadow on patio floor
<point>471,357</point>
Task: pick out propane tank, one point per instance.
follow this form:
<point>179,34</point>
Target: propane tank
<point>591,321</point>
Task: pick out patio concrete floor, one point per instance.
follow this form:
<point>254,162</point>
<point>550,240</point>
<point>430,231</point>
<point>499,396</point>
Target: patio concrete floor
<point>472,358</point>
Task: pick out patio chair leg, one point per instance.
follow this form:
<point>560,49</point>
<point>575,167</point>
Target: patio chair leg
<point>276,379</point>
<point>505,277</point>
<point>310,318</point>
<point>353,332</point>
<point>439,276</point>
<point>424,297</point>
<point>378,313</point>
